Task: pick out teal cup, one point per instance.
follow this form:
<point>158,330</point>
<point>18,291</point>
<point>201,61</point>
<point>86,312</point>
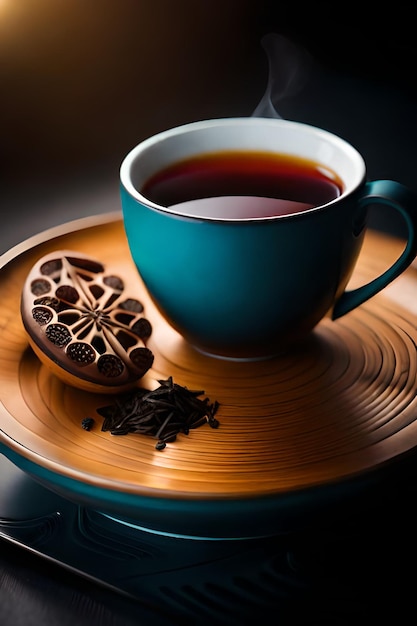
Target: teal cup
<point>240,269</point>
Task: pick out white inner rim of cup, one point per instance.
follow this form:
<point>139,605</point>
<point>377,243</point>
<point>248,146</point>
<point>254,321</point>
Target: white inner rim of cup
<point>251,134</point>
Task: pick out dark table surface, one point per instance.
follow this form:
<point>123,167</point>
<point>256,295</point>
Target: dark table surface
<point>71,108</point>
<point>352,564</point>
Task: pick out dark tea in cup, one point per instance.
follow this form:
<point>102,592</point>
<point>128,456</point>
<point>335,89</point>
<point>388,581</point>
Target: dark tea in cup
<point>249,183</point>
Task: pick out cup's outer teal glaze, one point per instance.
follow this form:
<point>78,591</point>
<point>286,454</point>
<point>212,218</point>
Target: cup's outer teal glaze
<point>249,288</point>
<point>243,288</point>
<point>401,199</point>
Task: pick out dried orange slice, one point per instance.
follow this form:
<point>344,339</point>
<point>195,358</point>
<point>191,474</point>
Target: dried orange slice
<point>83,325</point>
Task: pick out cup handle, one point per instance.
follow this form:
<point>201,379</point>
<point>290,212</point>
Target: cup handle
<point>403,200</point>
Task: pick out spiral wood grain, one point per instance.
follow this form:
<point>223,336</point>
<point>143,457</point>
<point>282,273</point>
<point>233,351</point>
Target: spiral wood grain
<point>338,406</point>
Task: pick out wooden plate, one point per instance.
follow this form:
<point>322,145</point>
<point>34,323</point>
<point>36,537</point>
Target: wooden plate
<point>337,409</point>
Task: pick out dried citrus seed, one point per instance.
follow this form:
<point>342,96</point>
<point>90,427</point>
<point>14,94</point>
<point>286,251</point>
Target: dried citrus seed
<point>40,286</point>
<point>132,305</point>
<point>96,291</point>
<point>48,301</point>
<point>69,317</point>
<point>85,263</point>
<point>142,358</point>
<point>142,328</point>
<point>124,318</point>
<point>98,344</point>
<point>67,293</point>
<point>50,267</point>
<point>81,353</point>
<point>114,282</point>
<point>110,365</point>
<point>58,334</point>
<point>127,340</point>
<point>42,315</point>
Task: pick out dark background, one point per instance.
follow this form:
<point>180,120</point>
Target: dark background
<point>82,81</point>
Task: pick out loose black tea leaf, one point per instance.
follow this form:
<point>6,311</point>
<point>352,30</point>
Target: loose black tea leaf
<point>87,423</point>
<point>163,413</point>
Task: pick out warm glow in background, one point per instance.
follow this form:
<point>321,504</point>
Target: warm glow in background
<point>82,81</point>
<point>87,79</point>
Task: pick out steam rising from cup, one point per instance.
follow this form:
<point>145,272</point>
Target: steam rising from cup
<point>289,68</point>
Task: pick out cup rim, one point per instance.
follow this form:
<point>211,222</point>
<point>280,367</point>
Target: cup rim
<point>131,157</point>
